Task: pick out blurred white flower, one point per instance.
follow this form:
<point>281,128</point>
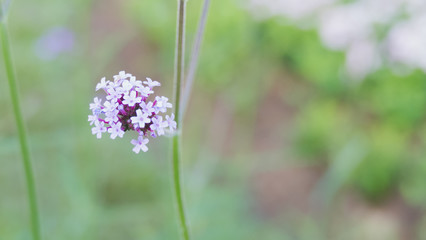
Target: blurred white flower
<point>352,28</point>
<point>406,42</point>
<point>361,59</point>
<point>339,27</point>
<point>293,9</point>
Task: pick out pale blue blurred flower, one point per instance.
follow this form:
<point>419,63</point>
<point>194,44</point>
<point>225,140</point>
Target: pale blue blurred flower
<point>56,41</point>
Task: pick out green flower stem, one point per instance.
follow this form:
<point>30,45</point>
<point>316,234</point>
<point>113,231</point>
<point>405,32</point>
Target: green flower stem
<point>35,226</point>
<point>179,74</point>
<point>178,188</point>
<point>193,64</point>
<point>180,58</point>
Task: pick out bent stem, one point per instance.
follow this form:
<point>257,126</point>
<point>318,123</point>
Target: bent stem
<point>179,73</point>
<point>35,226</point>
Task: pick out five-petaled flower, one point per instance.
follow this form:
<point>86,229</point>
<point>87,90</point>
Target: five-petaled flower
<point>128,108</point>
<point>99,129</point>
<point>141,119</point>
<point>158,125</point>
<point>140,144</point>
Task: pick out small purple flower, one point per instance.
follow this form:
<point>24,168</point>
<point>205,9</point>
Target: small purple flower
<point>158,125</point>
<point>141,119</point>
<point>96,104</point>
<point>116,130</point>
<point>151,83</point>
<point>93,119</point>
<point>122,75</point>
<point>102,84</point>
<point>127,108</point>
<point>140,144</point>
<point>99,129</point>
<point>127,86</point>
<point>111,116</point>
<point>134,82</point>
<point>171,122</point>
<point>113,94</point>
<point>144,91</point>
<point>147,108</point>
<point>162,104</point>
<point>131,99</point>
<point>110,106</point>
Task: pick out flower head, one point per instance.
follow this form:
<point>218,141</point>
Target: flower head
<point>127,108</point>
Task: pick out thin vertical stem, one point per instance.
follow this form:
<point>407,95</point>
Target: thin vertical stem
<point>180,57</point>
<point>179,73</point>
<point>193,64</point>
<point>178,188</point>
<point>32,199</point>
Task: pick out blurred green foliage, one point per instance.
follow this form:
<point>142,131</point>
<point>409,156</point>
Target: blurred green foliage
<point>385,108</point>
<point>92,189</point>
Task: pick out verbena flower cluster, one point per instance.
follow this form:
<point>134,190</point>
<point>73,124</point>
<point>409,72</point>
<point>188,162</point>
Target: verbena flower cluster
<point>127,107</point>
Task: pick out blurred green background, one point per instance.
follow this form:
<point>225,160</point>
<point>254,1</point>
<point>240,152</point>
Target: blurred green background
<point>278,143</point>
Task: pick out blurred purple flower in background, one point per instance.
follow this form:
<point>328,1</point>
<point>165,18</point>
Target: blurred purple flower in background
<point>54,42</point>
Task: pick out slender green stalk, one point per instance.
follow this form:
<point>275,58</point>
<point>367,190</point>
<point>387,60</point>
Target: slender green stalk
<point>178,188</point>
<point>180,57</point>
<point>35,226</point>
<point>179,73</point>
<point>193,64</point>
